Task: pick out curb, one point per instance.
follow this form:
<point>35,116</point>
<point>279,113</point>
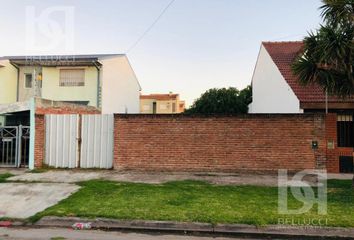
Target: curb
<point>271,231</point>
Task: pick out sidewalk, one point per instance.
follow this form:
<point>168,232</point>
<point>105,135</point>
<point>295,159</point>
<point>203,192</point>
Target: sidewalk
<point>74,175</point>
<point>292,232</point>
<point>19,200</point>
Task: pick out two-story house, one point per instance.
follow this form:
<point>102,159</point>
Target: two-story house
<point>161,103</point>
<point>37,85</point>
<point>104,81</point>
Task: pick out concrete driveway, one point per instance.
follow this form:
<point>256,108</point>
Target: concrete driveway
<point>22,200</point>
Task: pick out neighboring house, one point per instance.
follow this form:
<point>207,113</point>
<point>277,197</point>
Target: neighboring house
<point>161,103</point>
<point>275,89</point>
<point>33,86</point>
<point>104,81</point>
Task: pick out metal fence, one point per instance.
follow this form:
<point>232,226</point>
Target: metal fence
<point>14,146</point>
<point>8,146</point>
<point>84,141</point>
<point>24,145</point>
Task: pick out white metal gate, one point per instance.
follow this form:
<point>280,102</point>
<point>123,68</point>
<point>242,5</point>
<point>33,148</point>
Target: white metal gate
<point>84,141</point>
<point>61,141</point>
<point>97,141</point>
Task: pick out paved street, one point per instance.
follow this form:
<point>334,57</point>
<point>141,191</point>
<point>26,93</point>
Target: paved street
<point>61,234</point>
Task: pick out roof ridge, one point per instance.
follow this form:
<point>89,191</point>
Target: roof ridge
<point>60,55</point>
<point>159,94</point>
<point>281,42</point>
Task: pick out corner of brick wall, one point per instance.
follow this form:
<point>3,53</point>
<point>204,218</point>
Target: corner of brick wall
<point>331,137</point>
<point>320,133</point>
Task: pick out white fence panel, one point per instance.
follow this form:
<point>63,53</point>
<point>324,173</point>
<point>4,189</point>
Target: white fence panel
<point>97,141</point>
<point>62,141</point>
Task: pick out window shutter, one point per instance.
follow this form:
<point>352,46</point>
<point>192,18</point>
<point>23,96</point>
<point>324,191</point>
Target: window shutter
<point>72,77</point>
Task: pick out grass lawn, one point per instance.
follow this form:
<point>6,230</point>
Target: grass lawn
<point>193,201</point>
<point>4,176</point>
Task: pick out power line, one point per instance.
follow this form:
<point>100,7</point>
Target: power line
<point>150,27</point>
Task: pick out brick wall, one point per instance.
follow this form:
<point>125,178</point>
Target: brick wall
<point>66,110</point>
<point>39,142</point>
<point>250,142</point>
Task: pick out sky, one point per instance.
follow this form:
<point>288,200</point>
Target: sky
<point>196,45</point>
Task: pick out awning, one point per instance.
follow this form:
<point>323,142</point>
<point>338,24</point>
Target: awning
<point>14,107</point>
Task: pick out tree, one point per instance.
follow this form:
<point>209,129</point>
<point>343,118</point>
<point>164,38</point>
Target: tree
<point>328,55</point>
<point>246,95</point>
<point>222,101</point>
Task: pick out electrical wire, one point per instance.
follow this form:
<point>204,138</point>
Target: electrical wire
<point>150,27</point>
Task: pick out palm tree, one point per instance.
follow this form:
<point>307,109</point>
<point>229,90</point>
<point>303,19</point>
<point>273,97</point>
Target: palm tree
<point>328,54</point>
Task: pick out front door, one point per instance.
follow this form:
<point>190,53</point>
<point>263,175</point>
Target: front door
<point>345,136</point>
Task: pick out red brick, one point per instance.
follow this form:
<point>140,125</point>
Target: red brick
<point>250,142</point>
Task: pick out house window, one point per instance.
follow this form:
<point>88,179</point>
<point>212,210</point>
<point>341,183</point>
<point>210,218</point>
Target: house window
<point>345,131</point>
<point>173,107</point>
<point>28,80</point>
<point>72,77</point>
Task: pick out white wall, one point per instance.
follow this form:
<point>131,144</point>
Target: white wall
<point>270,92</point>
<point>53,91</point>
<point>8,82</point>
<point>120,87</point>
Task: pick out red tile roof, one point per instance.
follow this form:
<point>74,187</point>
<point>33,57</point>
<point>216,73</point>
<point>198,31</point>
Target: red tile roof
<point>283,55</point>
